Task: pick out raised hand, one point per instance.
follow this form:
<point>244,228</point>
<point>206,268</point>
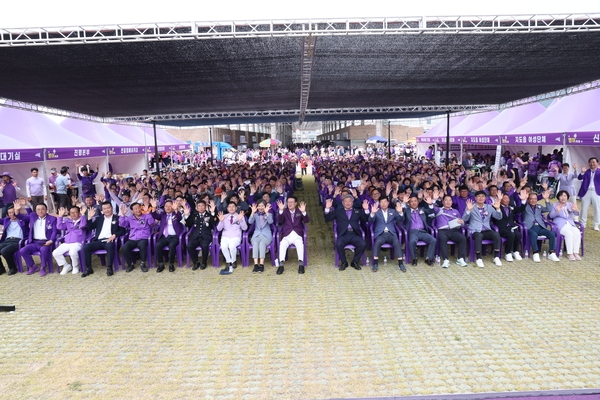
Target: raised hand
<point>83,209</point>
<point>221,216</point>
<point>302,207</point>
<point>280,205</point>
<point>399,208</point>
<point>574,206</point>
<point>470,205</point>
<point>61,211</point>
<point>405,198</point>
<point>268,207</point>
<point>546,195</point>
<point>583,169</point>
<point>575,166</point>
<point>253,207</point>
<point>91,212</point>
<point>123,209</point>
<point>17,205</point>
<point>523,195</point>
<point>153,203</point>
<point>496,204</point>
<point>365,205</point>
<point>374,209</point>
<point>212,206</point>
<point>241,215</point>
<point>73,200</point>
<point>328,203</point>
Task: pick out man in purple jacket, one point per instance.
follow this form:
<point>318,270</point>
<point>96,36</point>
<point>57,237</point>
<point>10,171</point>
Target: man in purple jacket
<point>168,235</point>
<point>87,181</point>
<point>42,235</point>
<point>140,229</point>
<point>292,219</point>
<point>589,192</point>
<point>16,228</point>
<point>76,226</point>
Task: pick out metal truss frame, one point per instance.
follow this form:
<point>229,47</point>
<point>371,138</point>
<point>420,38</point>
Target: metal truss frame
<point>21,105</point>
<point>308,58</point>
<point>189,30</point>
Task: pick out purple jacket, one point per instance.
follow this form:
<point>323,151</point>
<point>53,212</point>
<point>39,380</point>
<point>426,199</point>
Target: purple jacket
<point>76,231</point>
<point>138,228</point>
<point>177,225</point>
<point>586,178</point>
<point>50,226</point>
<point>87,184</point>
<point>565,216</point>
<point>22,220</point>
<point>285,218</point>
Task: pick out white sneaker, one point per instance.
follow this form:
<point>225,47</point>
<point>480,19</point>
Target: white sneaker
<point>479,263</point>
<point>517,256</point>
<point>596,227</point>
<point>66,269</point>
<point>553,257</point>
<point>497,261</point>
<point>446,264</point>
<point>536,257</point>
<point>508,257</point>
<point>462,262</point>
<point>75,270</point>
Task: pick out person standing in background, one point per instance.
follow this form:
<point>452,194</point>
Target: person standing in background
<point>36,189</point>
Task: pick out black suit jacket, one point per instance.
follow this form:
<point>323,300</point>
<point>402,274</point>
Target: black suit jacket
<point>339,215</point>
<point>201,227</point>
<point>427,215</point>
<point>508,219</point>
<point>98,222</point>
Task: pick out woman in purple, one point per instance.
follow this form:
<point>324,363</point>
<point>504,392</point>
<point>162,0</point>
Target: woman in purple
<point>562,214</point>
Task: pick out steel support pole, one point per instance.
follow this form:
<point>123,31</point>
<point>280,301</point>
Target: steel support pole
<point>447,139</point>
<point>156,161</point>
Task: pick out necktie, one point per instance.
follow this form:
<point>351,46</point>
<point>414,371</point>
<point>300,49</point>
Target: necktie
<point>231,220</point>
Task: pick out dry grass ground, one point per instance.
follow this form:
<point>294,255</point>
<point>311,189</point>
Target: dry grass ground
<point>196,334</point>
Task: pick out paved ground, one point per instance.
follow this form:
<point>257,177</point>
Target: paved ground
<point>522,326</point>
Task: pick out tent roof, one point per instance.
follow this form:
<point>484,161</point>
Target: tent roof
<point>564,115</point>
<point>509,119</point>
<point>357,66</point>
<point>99,133</point>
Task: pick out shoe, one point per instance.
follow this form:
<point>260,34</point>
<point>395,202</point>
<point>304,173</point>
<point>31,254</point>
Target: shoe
<point>479,263</point>
<point>12,271</point>
<point>130,268</point>
<point>343,266</point>
<point>401,266</point>
<point>429,261</point>
<point>553,257</point>
<point>497,261</point>
<point>571,257</point>
<point>414,261</point>
<point>577,257</point>
<point>446,263</point>
<point>375,267</point>
<point>234,264</point>
<point>536,257</point>
<point>461,262</point>
<point>66,269</point>
<point>88,271</point>
<point>75,270</point>
<point>33,269</point>
<point>228,270</point>
<point>255,270</point>
<point>301,269</point>
<point>517,256</point>
<point>2,270</point>
<point>196,266</point>
<point>508,257</point>
<point>43,271</point>
<point>355,265</point>
<point>143,266</point>
<point>202,266</point>
<point>261,268</point>
<point>171,268</point>
<point>161,268</point>
<point>280,270</point>
<point>109,271</point>
<point>596,227</point>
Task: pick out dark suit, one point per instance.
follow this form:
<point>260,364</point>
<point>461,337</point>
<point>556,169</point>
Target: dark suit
<point>201,234</point>
<point>100,243</point>
<point>348,231</point>
<point>414,235</point>
<point>384,231</point>
<point>508,229</point>
<point>168,240</point>
<point>10,245</point>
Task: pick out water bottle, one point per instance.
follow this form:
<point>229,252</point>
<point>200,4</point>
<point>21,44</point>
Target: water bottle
<point>560,253</point>
<point>526,254</point>
<point>437,260</point>
<point>545,255</point>
<point>385,259</point>
<point>368,261</point>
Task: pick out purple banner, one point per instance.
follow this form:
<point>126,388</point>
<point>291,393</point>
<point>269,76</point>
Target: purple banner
<point>425,139</point>
<point>75,152</point>
<point>542,139</point>
<point>125,151</point>
<point>21,156</point>
<point>161,149</point>
<point>583,139</point>
<point>485,140</point>
<point>180,147</point>
<point>442,140</point>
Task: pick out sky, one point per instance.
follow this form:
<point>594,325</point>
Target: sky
<point>38,13</point>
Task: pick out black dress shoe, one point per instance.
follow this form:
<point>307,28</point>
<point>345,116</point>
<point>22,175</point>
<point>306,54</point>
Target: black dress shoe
<point>429,261</point>
<point>130,268</point>
<point>261,268</point>
<point>413,261</point>
<point>301,269</point>
<point>401,266</point>
<point>234,264</point>
<point>280,270</point>
<point>196,266</point>
<point>161,268</point>
<point>355,265</point>
<point>171,268</point>
<point>12,271</point>
<point>88,271</point>
<point>202,266</point>
<point>109,271</point>
<point>255,269</point>
<point>343,266</point>
<point>143,267</point>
